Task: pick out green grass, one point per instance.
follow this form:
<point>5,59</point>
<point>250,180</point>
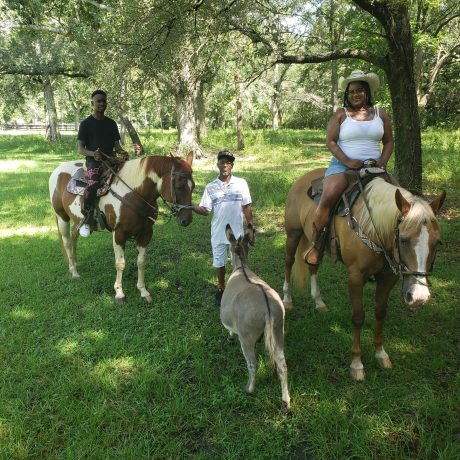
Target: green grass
<point>83,378</point>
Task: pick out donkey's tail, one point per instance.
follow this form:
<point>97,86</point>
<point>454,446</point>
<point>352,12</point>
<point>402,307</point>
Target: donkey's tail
<point>270,337</point>
<point>300,273</point>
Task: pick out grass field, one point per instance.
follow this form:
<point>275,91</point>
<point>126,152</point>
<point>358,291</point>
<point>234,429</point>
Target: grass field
<point>84,378</point>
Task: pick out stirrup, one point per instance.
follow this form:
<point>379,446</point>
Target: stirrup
<point>308,252</point>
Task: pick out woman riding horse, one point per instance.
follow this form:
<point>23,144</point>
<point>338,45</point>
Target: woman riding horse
<point>354,134</point>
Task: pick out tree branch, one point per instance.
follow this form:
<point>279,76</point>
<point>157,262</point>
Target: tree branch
<point>333,56</point>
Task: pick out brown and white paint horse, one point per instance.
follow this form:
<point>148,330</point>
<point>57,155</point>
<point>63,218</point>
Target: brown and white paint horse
<point>404,225</point>
<point>130,210</point>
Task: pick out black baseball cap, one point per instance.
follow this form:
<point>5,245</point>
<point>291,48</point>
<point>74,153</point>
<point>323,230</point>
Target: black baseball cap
<point>226,155</point>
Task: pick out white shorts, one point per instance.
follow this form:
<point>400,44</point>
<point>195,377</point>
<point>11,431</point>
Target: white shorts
<point>220,253</point>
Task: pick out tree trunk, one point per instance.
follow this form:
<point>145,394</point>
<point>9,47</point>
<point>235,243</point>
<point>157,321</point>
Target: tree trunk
<point>403,88</point>
<point>76,108</point>
<point>137,144</point>
<point>239,114</point>
<point>275,98</point>
<point>185,92</point>
<point>200,113</point>
<point>53,133</point>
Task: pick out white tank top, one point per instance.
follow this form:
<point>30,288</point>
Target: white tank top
<point>360,140</point>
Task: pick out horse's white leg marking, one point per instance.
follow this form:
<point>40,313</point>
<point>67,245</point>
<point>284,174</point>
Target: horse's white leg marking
<point>287,299</point>
<point>141,258</point>
<point>420,292</point>
<point>316,294</point>
<point>120,266</point>
<point>383,359</point>
<point>357,369</point>
<point>64,230</point>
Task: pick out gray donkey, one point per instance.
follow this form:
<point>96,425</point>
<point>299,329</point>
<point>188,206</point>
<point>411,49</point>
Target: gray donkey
<point>250,308</point>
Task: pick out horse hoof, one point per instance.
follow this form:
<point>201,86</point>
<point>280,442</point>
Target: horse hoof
<point>385,363</point>
<point>120,300</point>
<point>358,375</point>
<point>249,390</point>
<point>148,299</point>
<point>285,406</point>
<point>322,309</point>
<point>288,305</point>
<point>75,275</point>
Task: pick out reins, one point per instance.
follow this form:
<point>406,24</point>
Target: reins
<point>397,266</point>
<point>173,207</point>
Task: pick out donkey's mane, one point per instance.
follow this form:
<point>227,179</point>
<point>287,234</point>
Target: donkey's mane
<point>380,225</point>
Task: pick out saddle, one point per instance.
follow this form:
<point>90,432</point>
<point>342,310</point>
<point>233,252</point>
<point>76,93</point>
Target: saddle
<point>78,183</point>
<point>357,182</point>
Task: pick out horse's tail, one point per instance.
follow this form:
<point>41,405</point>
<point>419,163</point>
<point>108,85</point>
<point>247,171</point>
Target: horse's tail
<point>300,273</point>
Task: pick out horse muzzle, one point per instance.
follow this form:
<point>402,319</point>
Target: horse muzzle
<point>416,291</point>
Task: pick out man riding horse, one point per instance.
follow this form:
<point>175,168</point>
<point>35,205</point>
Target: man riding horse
<point>98,137</point>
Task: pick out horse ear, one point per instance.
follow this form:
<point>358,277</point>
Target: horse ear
<point>190,157</point>
<point>402,204</point>
<point>229,234</point>
<point>437,202</point>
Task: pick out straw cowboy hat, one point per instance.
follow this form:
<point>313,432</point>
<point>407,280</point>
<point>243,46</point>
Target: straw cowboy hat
<point>359,75</point>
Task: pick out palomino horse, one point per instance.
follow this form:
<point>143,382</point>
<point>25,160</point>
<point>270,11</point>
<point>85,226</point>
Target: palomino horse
<point>250,308</point>
<point>130,207</point>
<point>405,228</point>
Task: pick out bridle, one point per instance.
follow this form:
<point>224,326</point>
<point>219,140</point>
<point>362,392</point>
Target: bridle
<point>395,261</point>
<point>174,207</point>
<point>402,268</point>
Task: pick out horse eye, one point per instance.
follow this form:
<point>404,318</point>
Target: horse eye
<point>404,241</point>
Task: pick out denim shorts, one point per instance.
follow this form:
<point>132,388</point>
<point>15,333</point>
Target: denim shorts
<point>335,167</point>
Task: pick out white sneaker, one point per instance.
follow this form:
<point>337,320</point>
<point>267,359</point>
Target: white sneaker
<point>85,230</point>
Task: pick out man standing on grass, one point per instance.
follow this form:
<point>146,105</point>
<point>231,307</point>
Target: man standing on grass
<point>229,199</point>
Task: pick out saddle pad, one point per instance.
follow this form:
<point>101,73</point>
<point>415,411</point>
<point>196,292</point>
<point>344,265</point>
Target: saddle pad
<point>77,184</point>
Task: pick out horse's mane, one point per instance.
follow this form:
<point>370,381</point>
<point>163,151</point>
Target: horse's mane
<point>380,225</point>
<point>134,171</point>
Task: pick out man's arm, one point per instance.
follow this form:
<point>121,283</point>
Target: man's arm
<point>247,212</point>
<point>88,153</point>
<point>200,210</point>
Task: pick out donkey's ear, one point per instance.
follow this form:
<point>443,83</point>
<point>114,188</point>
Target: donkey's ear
<point>189,158</point>
<point>229,234</point>
<point>250,235</point>
<point>437,202</point>
<point>402,204</point>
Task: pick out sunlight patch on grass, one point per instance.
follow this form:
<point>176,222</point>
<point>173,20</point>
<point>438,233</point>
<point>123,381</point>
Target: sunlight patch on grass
<point>112,371</point>
<point>72,345</point>
<point>22,313</point>
<point>68,347</point>
<point>28,231</point>
<point>162,283</point>
<point>15,165</point>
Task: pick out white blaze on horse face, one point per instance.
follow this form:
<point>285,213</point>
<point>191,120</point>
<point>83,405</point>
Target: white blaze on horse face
<point>422,249</point>
<point>418,292</point>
